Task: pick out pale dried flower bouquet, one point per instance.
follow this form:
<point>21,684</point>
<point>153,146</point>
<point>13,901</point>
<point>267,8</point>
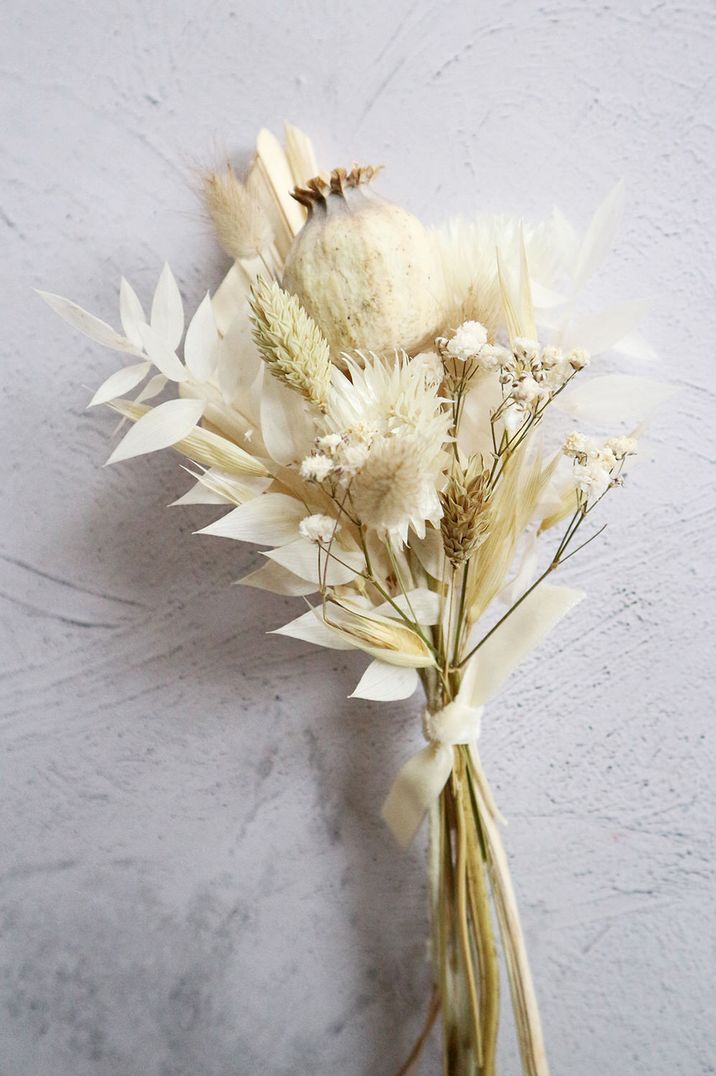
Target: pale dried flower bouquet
<point>370,398</point>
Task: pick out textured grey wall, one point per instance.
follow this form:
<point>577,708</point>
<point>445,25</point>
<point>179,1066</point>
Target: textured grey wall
<point>194,876</point>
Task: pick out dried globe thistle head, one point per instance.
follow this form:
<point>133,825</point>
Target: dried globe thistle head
<point>465,503</point>
<point>290,342</point>
<point>364,269</point>
<point>240,221</point>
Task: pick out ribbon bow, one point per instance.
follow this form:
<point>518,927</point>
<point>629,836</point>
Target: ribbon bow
<point>421,780</point>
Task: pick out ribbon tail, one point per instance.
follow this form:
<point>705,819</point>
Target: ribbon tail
<point>418,783</point>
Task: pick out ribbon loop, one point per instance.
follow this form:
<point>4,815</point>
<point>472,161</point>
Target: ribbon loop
<point>423,777</point>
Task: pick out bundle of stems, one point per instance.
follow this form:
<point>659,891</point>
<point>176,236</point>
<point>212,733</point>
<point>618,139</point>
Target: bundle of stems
<point>472,900</point>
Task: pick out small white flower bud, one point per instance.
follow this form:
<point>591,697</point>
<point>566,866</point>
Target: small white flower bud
<point>578,359</point>
<point>318,528</point>
<point>316,468</point>
<point>467,342</point>
<point>622,446</point>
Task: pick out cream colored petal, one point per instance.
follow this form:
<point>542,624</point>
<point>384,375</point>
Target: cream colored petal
<point>521,632</point>
<point>385,683</point>
<point>278,580</point>
<point>271,519</point>
<point>131,313</point>
<point>119,382</point>
<point>311,628</point>
<point>162,355</point>
<point>161,427</point>
<point>421,603</point>
<point>302,558</point>
<point>167,316</point>
<point>88,324</point>
<point>613,398</point>
<point>202,341</point>
<point>600,235</point>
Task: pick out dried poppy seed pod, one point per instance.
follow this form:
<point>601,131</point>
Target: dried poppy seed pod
<point>363,269</point>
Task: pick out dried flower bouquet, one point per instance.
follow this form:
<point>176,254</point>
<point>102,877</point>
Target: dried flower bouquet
<point>378,404</point>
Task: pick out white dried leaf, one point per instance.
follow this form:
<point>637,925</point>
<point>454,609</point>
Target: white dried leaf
<point>310,627</point>
<point>516,637</point>
<point>286,427</point>
<point>165,360</point>
<point>167,317</point>
<point>636,346</point>
<point>271,519</point>
<point>302,558</point>
<point>613,398</point>
<point>88,324</point>
<point>130,312</point>
<point>600,235</point>
<point>159,428</point>
<point>202,340</point>
<point>278,580</point>
<point>230,297</point>
<point>119,382</point>
<point>599,332</point>
<point>238,359</point>
<point>421,603</point>
<point>429,551</point>
<point>153,387</point>
<point>385,683</point>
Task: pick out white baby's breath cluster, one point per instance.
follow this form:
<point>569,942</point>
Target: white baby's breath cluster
<point>366,399</point>
<point>530,374</point>
<point>318,527</point>
<point>597,465</point>
<point>469,343</point>
<point>533,375</point>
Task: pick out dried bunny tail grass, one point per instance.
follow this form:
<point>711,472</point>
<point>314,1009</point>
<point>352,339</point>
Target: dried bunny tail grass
<point>290,342</point>
<point>465,503</point>
<point>203,446</point>
<point>240,221</point>
<point>389,487</point>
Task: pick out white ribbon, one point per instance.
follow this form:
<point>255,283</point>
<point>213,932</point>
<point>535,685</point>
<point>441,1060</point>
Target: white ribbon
<point>423,777</point>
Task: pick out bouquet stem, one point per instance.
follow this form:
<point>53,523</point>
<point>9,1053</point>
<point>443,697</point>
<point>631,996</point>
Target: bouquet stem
<point>471,896</point>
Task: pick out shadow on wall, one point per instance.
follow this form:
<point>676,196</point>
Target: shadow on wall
<point>125,962</point>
